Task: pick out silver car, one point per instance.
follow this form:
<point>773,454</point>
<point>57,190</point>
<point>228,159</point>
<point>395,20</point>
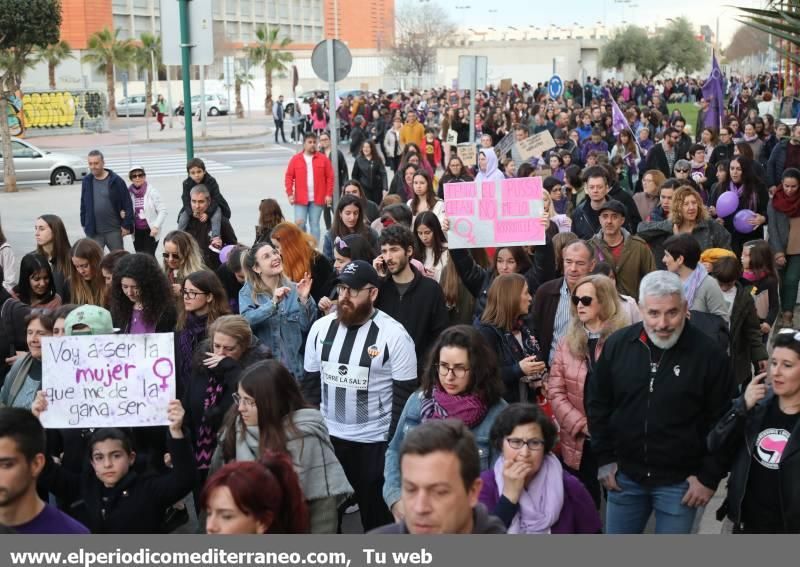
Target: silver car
<point>34,164</point>
<point>132,105</point>
<point>215,104</point>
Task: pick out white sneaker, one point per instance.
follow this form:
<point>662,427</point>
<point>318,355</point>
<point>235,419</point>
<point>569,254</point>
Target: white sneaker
<point>351,509</point>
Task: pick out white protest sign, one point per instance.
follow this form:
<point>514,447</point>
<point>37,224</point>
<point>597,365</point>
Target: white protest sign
<point>452,137</point>
<point>535,145</point>
<point>467,153</point>
<point>494,213</point>
<point>108,380</point>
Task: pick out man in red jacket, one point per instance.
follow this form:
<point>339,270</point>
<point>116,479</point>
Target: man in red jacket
<point>309,185</point>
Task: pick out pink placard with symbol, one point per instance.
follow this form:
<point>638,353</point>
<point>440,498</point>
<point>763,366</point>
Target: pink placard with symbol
<point>518,230</point>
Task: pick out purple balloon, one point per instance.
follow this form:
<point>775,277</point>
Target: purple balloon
<point>727,204</point>
<point>740,221</point>
<point>225,252</point>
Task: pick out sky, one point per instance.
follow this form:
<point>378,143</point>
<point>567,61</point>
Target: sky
<point>588,12</point>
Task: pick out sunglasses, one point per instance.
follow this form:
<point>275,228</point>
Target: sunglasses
<point>168,255</point>
<point>137,175</point>
<point>681,170</point>
<point>585,299</point>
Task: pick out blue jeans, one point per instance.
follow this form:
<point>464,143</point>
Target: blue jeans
<point>627,511</point>
<point>313,213</point>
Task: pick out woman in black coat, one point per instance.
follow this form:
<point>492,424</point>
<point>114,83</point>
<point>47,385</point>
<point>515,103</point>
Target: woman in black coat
<point>370,172</point>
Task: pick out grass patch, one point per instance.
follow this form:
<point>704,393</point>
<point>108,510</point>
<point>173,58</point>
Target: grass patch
<point>689,111</point>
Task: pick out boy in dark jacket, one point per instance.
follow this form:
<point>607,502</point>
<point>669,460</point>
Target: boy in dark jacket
<point>219,207</point>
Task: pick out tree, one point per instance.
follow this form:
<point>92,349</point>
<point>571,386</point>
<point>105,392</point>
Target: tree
<point>241,79</point>
<point>746,41</point>
<point>268,51</point>
<point>54,54</point>
<point>673,46</point>
<point>419,30</point>
<point>105,51</point>
<point>144,55</point>
<point>781,19</point>
<point>25,25</point>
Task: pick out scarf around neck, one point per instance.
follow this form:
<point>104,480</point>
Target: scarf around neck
<point>542,499</point>
<point>739,190</point>
<point>692,283</point>
<point>785,204</point>
<point>138,191</point>
<point>468,408</point>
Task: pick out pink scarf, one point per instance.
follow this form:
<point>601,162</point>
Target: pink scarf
<point>542,499</point>
<point>468,408</point>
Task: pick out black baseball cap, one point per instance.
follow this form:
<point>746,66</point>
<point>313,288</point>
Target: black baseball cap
<point>614,206</point>
<point>357,274</point>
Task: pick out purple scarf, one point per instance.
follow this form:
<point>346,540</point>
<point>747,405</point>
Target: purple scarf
<point>206,437</point>
<point>138,192</point>
<point>542,499</point>
<point>740,191</point>
<point>469,408</point>
<point>692,283</point>
<point>193,332</point>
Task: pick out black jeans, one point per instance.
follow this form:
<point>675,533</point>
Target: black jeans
<point>143,242</point>
<point>363,466</point>
<point>279,128</point>
<point>587,473</point>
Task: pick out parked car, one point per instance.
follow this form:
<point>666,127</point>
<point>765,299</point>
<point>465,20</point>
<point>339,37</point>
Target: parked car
<point>132,105</point>
<point>215,104</point>
<point>34,164</point>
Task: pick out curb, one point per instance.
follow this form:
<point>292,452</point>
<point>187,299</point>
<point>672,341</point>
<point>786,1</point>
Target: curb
<point>199,140</point>
<point>223,147</point>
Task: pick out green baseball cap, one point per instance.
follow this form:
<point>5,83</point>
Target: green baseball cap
<point>97,319</point>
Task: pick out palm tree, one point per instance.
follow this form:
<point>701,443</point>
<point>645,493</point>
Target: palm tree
<point>780,18</point>
<point>54,54</point>
<point>144,55</point>
<point>267,51</point>
<point>241,79</point>
<point>105,52</point>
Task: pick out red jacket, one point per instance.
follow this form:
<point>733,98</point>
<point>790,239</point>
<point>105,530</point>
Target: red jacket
<point>297,182</point>
<point>437,151</point>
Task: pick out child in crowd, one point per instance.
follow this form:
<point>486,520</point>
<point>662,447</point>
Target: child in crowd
<point>760,279</point>
<point>218,208</point>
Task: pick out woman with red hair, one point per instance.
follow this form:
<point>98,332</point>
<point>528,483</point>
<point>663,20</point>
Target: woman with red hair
<point>255,497</point>
<point>300,257</point>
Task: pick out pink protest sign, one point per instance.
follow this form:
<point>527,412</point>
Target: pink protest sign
<point>494,212</point>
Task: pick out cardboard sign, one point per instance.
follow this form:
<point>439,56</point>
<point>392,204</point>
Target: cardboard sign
<point>108,380</point>
<point>505,85</point>
<point>468,154</point>
<point>452,137</point>
<point>492,213</point>
<point>535,145</point>
<point>504,146</point>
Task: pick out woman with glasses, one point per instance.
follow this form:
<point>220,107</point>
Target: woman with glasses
<point>279,311</point>
<point>24,378</point>
<point>461,382</point>
<point>181,257</point>
<point>217,364</point>
<point>149,212</point>
<point>596,312</point>
<point>503,326</point>
<point>140,298</point>
<point>527,488</point>
<point>758,438</point>
<point>270,414</point>
<point>648,198</point>
<point>204,301</point>
<point>349,218</point>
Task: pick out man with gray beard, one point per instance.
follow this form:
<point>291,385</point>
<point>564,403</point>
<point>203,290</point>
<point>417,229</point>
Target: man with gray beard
<point>657,390</point>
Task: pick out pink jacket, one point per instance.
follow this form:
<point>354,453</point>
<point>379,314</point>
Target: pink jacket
<point>296,179</point>
<point>565,392</point>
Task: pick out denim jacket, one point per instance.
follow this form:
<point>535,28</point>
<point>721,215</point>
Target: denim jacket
<point>411,418</point>
<point>282,326</point>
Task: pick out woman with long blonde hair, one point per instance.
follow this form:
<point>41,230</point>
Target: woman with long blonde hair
<point>86,283</point>
<point>181,257</point>
<point>596,312</point>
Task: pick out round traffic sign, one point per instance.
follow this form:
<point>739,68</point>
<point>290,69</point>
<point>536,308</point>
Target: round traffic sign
<point>342,60</point>
<point>555,88</point>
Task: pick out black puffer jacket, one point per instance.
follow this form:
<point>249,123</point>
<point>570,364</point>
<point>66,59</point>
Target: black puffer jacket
<point>12,329</point>
<point>734,439</point>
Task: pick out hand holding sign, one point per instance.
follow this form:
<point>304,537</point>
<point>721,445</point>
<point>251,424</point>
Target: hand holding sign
<point>175,415</point>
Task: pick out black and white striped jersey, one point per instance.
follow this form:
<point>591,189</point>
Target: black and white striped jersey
<point>357,366</point>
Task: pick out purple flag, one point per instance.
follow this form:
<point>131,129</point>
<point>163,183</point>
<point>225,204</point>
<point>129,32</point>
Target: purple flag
<point>618,120</point>
<point>713,93</point>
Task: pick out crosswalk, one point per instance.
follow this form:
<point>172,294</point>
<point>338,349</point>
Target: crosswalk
<point>159,165</point>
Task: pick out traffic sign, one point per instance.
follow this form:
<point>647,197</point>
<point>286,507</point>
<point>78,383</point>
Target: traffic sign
<point>342,60</point>
<point>201,34</point>
<point>555,88</point>
<point>123,78</point>
<point>228,71</point>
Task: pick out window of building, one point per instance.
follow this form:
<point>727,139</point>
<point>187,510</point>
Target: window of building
<point>143,24</point>
<point>246,8</point>
<point>272,11</point>
<point>120,5</point>
<point>230,8</point>
<point>258,13</point>
<point>283,9</point>
<point>123,24</point>
<point>141,6</point>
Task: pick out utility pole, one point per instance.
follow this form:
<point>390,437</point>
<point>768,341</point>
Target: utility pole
<point>186,62</point>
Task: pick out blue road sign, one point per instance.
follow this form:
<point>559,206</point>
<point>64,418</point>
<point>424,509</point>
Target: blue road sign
<point>555,88</point>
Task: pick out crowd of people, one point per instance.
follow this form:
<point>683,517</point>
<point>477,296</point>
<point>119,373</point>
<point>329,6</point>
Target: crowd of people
<point>348,359</point>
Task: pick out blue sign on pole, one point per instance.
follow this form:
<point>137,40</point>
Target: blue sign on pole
<point>555,88</point>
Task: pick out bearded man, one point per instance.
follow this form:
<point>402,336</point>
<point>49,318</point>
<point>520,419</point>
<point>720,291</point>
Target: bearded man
<point>656,392</point>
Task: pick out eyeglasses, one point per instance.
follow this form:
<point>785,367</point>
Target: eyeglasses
<point>238,400</point>
<point>458,371</point>
<point>532,444</point>
<point>585,299</point>
<point>191,294</point>
<point>137,175</point>
<point>343,290</point>
<point>168,255</point>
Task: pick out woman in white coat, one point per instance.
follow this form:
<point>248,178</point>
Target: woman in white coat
<point>149,212</point>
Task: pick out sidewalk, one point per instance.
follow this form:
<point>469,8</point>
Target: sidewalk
<point>217,129</point>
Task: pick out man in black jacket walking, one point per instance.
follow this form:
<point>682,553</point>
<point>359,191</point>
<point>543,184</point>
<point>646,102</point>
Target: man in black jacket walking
<point>657,390</point>
<point>414,300</point>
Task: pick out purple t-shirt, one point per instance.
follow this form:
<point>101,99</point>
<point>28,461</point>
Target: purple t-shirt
<point>138,208</point>
<point>138,325</point>
<point>51,520</point>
